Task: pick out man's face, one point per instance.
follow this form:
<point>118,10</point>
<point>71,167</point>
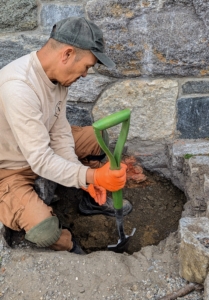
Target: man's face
<point>77,66</point>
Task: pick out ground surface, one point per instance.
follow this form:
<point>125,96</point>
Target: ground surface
<point>28,273</point>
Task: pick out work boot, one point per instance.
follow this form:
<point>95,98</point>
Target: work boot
<point>77,249</point>
<point>88,206</point>
<point>7,234</point>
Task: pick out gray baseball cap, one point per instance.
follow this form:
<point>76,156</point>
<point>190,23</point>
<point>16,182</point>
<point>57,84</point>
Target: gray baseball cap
<point>84,34</point>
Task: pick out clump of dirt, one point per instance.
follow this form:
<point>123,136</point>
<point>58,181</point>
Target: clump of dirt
<point>157,208</point>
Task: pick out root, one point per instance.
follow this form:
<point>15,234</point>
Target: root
<point>183,291</point>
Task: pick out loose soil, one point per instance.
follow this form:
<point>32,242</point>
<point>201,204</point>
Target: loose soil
<point>157,208</point>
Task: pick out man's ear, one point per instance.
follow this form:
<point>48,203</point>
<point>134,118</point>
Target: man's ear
<point>67,54</point>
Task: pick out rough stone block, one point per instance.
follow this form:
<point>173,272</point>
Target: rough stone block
<point>78,116</point>
<point>18,15</point>
<point>196,173</point>
<point>88,89</point>
<point>153,37</point>
<point>195,87</point>
<point>53,12</point>
<point>176,153</point>
<point>194,252</point>
<point>152,105</point>
<point>193,117</point>
<point>13,47</point>
<point>179,148</point>
<point>151,155</point>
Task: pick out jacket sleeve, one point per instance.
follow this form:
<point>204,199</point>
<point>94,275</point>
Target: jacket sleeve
<point>61,138</point>
<point>22,110</point>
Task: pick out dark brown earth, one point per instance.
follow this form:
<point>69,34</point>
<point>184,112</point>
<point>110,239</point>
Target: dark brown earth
<point>157,208</point>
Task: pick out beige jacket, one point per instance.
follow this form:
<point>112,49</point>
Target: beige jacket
<point>34,130</point>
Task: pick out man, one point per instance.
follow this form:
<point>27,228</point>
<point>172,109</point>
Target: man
<point>37,140</point>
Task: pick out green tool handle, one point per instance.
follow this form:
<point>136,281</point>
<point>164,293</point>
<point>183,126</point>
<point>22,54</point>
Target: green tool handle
<point>123,117</point>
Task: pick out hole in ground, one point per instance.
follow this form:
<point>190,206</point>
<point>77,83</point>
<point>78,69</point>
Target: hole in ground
<point>157,207</point>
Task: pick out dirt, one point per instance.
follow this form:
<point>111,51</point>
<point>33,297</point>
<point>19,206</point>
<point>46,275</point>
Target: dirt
<point>157,208</point>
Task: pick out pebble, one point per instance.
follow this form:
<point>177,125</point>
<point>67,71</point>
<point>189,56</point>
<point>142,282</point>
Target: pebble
<point>134,288</point>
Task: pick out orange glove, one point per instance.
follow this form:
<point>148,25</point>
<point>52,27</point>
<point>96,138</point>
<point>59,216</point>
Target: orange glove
<point>96,192</point>
<point>111,180</point>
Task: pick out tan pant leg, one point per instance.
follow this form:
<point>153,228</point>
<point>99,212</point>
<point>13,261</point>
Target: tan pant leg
<point>20,206</point>
<point>86,144</point>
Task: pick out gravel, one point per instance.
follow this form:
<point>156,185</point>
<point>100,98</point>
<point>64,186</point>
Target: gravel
<point>40,274</point>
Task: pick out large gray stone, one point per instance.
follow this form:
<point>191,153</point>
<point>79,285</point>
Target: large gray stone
<point>196,183</point>
<point>193,117</point>
<point>18,15</point>
<point>194,252</point>
<point>179,148</point>
<point>151,155</point>
<point>53,12</point>
<point>152,37</point>
<point>88,89</point>
<point>152,105</point>
<point>78,116</point>
<point>178,152</point>
<point>195,87</point>
<point>13,47</point>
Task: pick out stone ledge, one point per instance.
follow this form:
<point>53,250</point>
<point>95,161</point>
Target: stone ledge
<point>195,87</point>
<point>177,152</point>
<point>179,148</point>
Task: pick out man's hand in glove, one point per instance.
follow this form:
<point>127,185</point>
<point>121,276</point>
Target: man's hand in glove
<point>111,180</point>
<point>96,192</point>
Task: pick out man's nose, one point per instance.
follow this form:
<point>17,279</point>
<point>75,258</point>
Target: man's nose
<point>84,74</point>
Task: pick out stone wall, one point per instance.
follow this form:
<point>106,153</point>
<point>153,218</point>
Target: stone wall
<point>162,65</point>
<point>161,54</point>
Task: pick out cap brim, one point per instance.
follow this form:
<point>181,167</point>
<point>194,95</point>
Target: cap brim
<point>104,59</point>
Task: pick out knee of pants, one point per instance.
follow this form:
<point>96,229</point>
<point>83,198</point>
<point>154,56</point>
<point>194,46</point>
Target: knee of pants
<point>46,233</point>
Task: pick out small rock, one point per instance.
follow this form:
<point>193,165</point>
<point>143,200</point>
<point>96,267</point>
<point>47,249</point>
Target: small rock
<point>149,296</point>
<point>134,288</point>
